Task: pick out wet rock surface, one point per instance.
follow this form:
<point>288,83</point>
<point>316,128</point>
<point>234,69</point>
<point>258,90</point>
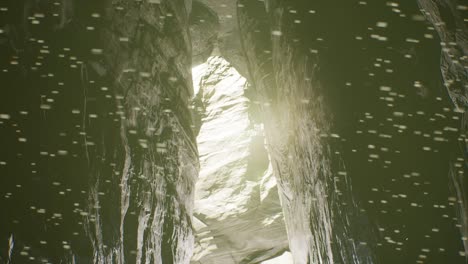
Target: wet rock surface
<point>105,138</point>
<point>358,102</point>
<point>237,216</point>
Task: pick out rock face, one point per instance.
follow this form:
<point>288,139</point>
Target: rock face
<point>237,216</point>
<point>298,127</point>
<point>111,147</point>
<point>331,96</point>
<point>152,82</point>
<point>204,27</point>
<point>448,20</point>
<point>447,17</point>
<point>228,38</point>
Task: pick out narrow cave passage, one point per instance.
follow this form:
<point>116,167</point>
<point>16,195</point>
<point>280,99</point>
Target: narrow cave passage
<point>237,216</point>
<point>363,105</point>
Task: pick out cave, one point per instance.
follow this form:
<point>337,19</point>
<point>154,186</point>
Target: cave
<point>233,131</point>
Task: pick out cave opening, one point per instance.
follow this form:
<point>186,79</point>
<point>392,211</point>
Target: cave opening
<point>237,215</point>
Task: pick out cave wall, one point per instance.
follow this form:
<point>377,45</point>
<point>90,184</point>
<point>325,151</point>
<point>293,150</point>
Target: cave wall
<point>152,74</point>
<point>450,23</point>
<point>99,91</point>
<point>355,109</point>
<point>448,20</point>
<point>298,123</point>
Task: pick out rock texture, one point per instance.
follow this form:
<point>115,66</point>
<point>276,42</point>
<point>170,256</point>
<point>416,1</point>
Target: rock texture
<point>331,96</point>
<point>151,69</point>
<point>297,124</point>
<point>450,22</point>
<point>105,88</point>
<point>204,27</point>
<point>238,216</point>
<point>228,41</point>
